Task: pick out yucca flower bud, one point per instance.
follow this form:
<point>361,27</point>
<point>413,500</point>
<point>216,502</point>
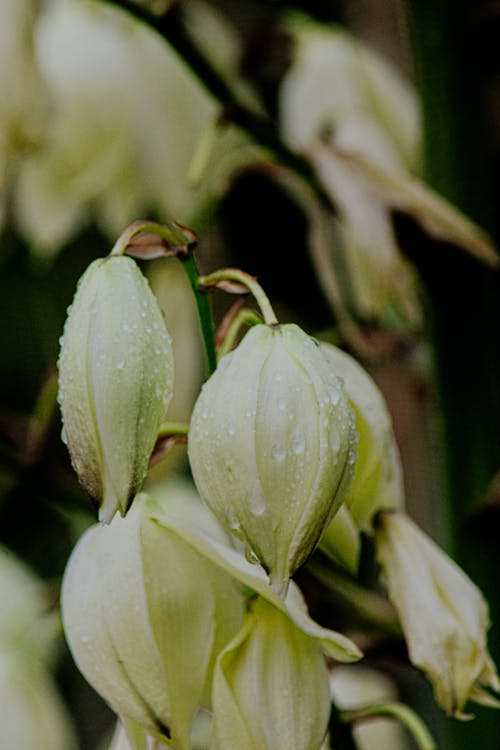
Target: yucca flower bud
<point>272,446</point>
<point>271,689</point>
<point>143,613</point>
<point>443,614</point>
<point>378,479</point>
<point>115,381</point>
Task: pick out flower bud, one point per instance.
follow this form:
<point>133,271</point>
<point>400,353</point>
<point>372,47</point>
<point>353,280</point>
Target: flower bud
<point>341,540</point>
<point>443,614</point>
<point>115,381</point>
<point>378,482</point>
<point>270,688</point>
<point>272,446</point>
<point>143,613</point>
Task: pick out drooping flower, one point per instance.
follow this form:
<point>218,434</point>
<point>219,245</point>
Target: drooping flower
<point>145,616</point>
<point>115,381</point>
<point>270,688</point>
<point>378,480</point>
<point>272,446</point>
<point>443,614</point>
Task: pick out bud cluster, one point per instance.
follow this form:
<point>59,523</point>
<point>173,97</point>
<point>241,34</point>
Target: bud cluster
<point>170,609</point>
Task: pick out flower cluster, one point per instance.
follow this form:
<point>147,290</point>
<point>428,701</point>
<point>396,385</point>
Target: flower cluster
<point>172,611</point>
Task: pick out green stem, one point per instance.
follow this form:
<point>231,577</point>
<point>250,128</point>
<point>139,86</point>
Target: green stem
<point>204,312</point>
<point>172,428</point>
<point>399,711</point>
<point>242,318</point>
<point>178,241</point>
<point>217,278</point>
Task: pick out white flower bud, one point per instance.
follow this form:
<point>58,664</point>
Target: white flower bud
<point>378,480</point>
<point>143,613</point>
<point>271,689</point>
<point>115,381</point>
<point>272,446</point>
<point>443,614</point>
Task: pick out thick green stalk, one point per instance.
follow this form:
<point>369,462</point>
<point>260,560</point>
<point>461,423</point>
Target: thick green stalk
<point>463,300</point>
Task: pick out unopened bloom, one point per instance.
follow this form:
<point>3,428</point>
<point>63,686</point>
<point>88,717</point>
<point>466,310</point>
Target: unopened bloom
<point>270,688</point>
<point>272,445</point>
<point>443,614</point>
<point>115,381</point>
<point>378,480</point>
<point>143,613</point>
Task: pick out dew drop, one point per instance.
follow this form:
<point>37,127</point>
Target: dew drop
<point>85,638</point>
<point>119,362</point>
<point>334,440</point>
<point>278,376</point>
<point>278,452</point>
<point>334,395</point>
<point>125,325</point>
<point>281,404</point>
<point>256,500</point>
<point>231,429</point>
<point>232,520</point>
<point>251,556</point>
<point>298,443</point>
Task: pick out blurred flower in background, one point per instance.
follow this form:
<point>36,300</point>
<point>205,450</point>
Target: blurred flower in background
<point>125,120</point>
<point>356,118</point>
<point>32,714</point>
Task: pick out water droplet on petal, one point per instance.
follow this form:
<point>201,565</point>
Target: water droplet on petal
<point>251,556</point>
<point>334,395</point>
<point>334,440</point>
<point>256,500</point>
<point>278,452</point>
<point>232,520</point>
<point>298,443</point>
<point>281,404</point>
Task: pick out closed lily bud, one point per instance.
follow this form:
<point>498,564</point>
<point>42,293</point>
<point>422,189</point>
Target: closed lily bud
<point>143,613</point>
<point>443,614</point>
<point>378,480</point>
<point>272,446</point>
<point>115,381</point>
<point>271,689</point>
